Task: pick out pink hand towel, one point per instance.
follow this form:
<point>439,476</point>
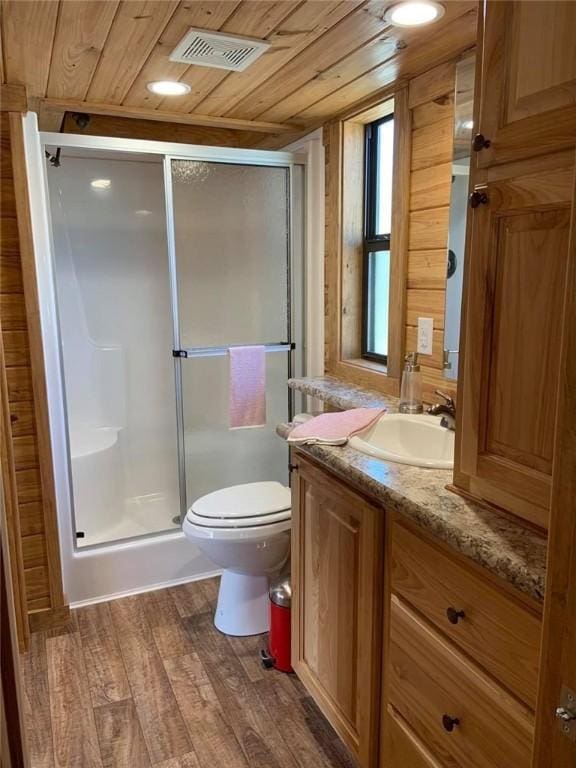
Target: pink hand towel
<point>335,428</point>
<point>247,394</point>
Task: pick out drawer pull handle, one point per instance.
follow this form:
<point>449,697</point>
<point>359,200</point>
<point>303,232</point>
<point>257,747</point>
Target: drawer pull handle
<point>454,616</point>
<point>449,723</point>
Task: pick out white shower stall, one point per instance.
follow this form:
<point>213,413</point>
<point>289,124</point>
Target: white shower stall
<point>153,260</point>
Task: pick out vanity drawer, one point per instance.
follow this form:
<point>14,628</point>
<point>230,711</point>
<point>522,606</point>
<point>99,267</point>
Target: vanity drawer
<point>400,747</point>
<point>463,717</point>
<point>498,632</point>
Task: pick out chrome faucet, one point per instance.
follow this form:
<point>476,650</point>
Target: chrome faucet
<point>447,410</point>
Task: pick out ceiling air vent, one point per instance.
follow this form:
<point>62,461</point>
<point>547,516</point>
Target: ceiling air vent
<point>213,49</point>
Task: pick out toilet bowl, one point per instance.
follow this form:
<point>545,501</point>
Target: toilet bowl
<point>245,529</point>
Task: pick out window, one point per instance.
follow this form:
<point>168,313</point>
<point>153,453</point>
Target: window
<point>379,146</point>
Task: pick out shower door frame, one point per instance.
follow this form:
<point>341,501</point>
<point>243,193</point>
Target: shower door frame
<point>296,271</point>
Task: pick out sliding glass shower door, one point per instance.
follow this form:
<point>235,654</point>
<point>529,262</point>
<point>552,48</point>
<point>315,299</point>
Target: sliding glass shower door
<point>231,287</point>
<point>112,281</point>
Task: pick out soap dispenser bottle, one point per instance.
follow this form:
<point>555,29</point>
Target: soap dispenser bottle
<point>411,388</point>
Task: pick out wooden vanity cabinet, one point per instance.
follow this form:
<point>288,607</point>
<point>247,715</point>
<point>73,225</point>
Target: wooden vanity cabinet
<point>517,255</point>
<point>461,657</point>
<point>386,656</point>
<point>337,578</point>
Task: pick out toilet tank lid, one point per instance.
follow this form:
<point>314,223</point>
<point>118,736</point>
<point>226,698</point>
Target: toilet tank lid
<point>246,500</point>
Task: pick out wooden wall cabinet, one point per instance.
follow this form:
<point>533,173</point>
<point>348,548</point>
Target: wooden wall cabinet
<point>337,575</point>
<point>528,79</point>
<point>516,275</point>
<point>518,248</point>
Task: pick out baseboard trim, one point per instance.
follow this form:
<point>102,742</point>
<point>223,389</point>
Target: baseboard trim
<point>142,590</point>
<point>48,619</point>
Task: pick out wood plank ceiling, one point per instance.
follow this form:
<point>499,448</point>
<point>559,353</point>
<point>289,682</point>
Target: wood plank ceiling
<point>98,55</point>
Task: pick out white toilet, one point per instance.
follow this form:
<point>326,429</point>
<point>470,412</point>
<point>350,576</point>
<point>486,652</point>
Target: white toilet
<point>245,529</point>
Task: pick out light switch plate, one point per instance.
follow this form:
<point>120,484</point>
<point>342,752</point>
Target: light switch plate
<point>425,335</point>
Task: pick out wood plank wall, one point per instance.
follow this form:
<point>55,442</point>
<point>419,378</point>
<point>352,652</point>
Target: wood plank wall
<point>429,185</point>
<point>151,130</point>
<point>332,227</point>
<point>20,391</point>
<point>431,101</point>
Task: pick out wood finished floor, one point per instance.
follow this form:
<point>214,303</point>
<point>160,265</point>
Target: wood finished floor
<point>148,681</point>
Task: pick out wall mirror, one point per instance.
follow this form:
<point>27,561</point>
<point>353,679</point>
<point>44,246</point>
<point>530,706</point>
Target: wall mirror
<point>463,125</point>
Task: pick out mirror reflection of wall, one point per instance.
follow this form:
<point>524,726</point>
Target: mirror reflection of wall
<point>463,125</point>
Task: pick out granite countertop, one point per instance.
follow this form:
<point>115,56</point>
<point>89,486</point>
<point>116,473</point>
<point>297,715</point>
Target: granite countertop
<point>509,549</point>
<point>341,394</point>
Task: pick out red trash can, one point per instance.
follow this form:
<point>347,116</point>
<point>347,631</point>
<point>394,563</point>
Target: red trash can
<point>278,654</point>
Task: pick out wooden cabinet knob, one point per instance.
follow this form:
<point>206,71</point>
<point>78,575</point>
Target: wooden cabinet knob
<point>480,142</point>
<point>477,198</point>
<point>449,723</point>
<point>453,615</point>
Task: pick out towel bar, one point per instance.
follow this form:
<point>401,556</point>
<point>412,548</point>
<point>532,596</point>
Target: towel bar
<point>282,346</point>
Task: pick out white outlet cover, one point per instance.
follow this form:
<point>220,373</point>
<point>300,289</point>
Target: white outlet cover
<point>425,335</point>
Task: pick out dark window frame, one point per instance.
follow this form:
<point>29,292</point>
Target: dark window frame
<point>373,241</point>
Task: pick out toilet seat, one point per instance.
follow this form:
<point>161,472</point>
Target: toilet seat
<point>248,505</point>
<point>235,534</point>
<point>239,522</point>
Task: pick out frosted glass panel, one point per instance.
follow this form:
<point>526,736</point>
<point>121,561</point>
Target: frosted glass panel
<point>113,297</point>
<point>231,231</point>
<point>216,456</point>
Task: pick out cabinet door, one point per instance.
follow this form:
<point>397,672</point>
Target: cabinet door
<point>528,79</point>
<point>514,317</point>
<point>337,556</point>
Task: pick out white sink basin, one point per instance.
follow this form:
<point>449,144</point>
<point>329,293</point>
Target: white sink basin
<point>407,439</point>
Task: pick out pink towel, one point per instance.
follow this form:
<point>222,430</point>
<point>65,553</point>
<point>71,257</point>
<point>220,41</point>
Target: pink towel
<point>335,428</point>
<point>247,394</point>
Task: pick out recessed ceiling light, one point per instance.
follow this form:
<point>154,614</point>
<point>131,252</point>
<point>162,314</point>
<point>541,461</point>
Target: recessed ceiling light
<point>142,212</point>
<point>168,88</point>
<point>101,184</point>
<point>413,13</point>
